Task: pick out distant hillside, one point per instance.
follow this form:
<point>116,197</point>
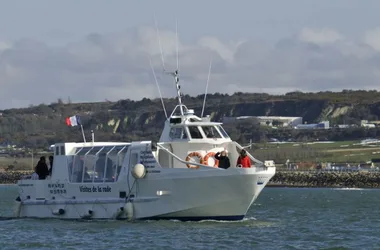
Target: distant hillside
<point>133,120</point>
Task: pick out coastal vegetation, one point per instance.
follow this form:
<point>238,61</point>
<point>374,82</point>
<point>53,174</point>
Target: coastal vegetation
<point>342,152</point>
<point>34,128</point>
<point>42,125</point>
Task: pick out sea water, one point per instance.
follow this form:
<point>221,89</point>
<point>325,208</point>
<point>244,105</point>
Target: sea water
<point>282,218</point>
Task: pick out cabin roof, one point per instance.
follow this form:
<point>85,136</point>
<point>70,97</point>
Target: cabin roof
<point>197,124</point>
<point>69,148</point>
<point>97,144</point>
<point>90,144</point>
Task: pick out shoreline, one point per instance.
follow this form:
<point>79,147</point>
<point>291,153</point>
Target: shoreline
<point>289,179</point>
<point>326,179</point>
<point>271,185</point>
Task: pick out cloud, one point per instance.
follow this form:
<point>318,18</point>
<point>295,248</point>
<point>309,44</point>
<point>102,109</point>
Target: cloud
<point>116,66</point>
<point>4,45</point>
<point>321,36</point>
<point>372,38</point>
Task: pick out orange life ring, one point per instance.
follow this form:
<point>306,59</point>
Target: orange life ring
<point>192,154</point>
<point>210,154</point>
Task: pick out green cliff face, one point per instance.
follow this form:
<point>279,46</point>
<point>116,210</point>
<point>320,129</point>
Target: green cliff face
<point>134,120</point>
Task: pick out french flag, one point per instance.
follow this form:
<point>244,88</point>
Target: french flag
<point>73,121</point>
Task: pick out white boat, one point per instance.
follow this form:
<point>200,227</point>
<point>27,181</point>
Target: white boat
<point>178,180</point>
<point>105,180</point>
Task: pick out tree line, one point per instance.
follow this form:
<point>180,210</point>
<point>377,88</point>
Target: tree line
<point>124,120</point>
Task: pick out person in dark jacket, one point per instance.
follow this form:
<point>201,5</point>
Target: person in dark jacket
<point>42,169</point>
<point>224,161</point>
<point>51,159</point>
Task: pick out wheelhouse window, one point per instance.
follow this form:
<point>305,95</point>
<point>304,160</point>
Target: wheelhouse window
<point>224,133</point>
<point>211,132</point>
<point>177,133</point>
<point>195,133</point>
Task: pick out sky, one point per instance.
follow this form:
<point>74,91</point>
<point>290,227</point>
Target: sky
<point>96,50</point>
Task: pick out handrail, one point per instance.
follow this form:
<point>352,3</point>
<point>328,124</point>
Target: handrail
<point>175,108</point>
<point>84,163</point>
<point>250,156</point>
<point>105,164</point>
<point>118,163</point>
<point>179,159</point>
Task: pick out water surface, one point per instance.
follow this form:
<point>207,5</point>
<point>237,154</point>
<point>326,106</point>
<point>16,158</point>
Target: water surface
<point>282,218</point>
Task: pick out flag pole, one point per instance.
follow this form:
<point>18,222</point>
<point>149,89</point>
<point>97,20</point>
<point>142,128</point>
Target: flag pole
<point>84,137</point>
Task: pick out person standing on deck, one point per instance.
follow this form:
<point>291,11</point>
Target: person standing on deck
<point>243,160</point>
<point>51,158</point>
<point>42,168</point>
<point>224,161</point>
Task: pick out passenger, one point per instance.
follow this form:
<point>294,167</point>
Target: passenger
<point>109,170</point>
<point>224,161</point>
<point>79,171</point>
<point>42,169</point>
<point>208,133</point>
<point>51,158</point>
<point>86,176</point>
<point>117,172</point>
<point>99,167</point>
<point>34,175</point>
<point>243,160</point>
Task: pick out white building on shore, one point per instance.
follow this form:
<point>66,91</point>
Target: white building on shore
<point>281,121</point>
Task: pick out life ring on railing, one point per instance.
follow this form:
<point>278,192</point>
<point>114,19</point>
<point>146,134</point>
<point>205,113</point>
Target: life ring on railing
<point>192,154</point>
<point>205,159</point>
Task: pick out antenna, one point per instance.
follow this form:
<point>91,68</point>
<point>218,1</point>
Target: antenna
<point>158,87</point>
<point>176,35</point>
<point>175,74</point>
<point>208,80</point>
<point>159,42</point>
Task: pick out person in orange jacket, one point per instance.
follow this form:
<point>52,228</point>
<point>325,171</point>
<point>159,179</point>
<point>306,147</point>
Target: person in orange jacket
<point>243,160</point>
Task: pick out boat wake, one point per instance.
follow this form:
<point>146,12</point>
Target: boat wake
<point>8,218</point>
<point>229,221</point>
<point>248,221</point>
<point>347,188</point>
<point>201,221</point>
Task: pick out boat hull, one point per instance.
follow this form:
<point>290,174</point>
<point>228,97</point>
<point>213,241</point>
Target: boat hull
<point>207,195</point>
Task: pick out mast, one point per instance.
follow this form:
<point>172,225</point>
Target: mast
<point>175,74</point>
<point>178,87</point>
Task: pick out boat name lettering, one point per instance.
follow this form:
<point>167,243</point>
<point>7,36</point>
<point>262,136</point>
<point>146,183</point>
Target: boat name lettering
<point>95,189</point>
<point>57,188</point>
